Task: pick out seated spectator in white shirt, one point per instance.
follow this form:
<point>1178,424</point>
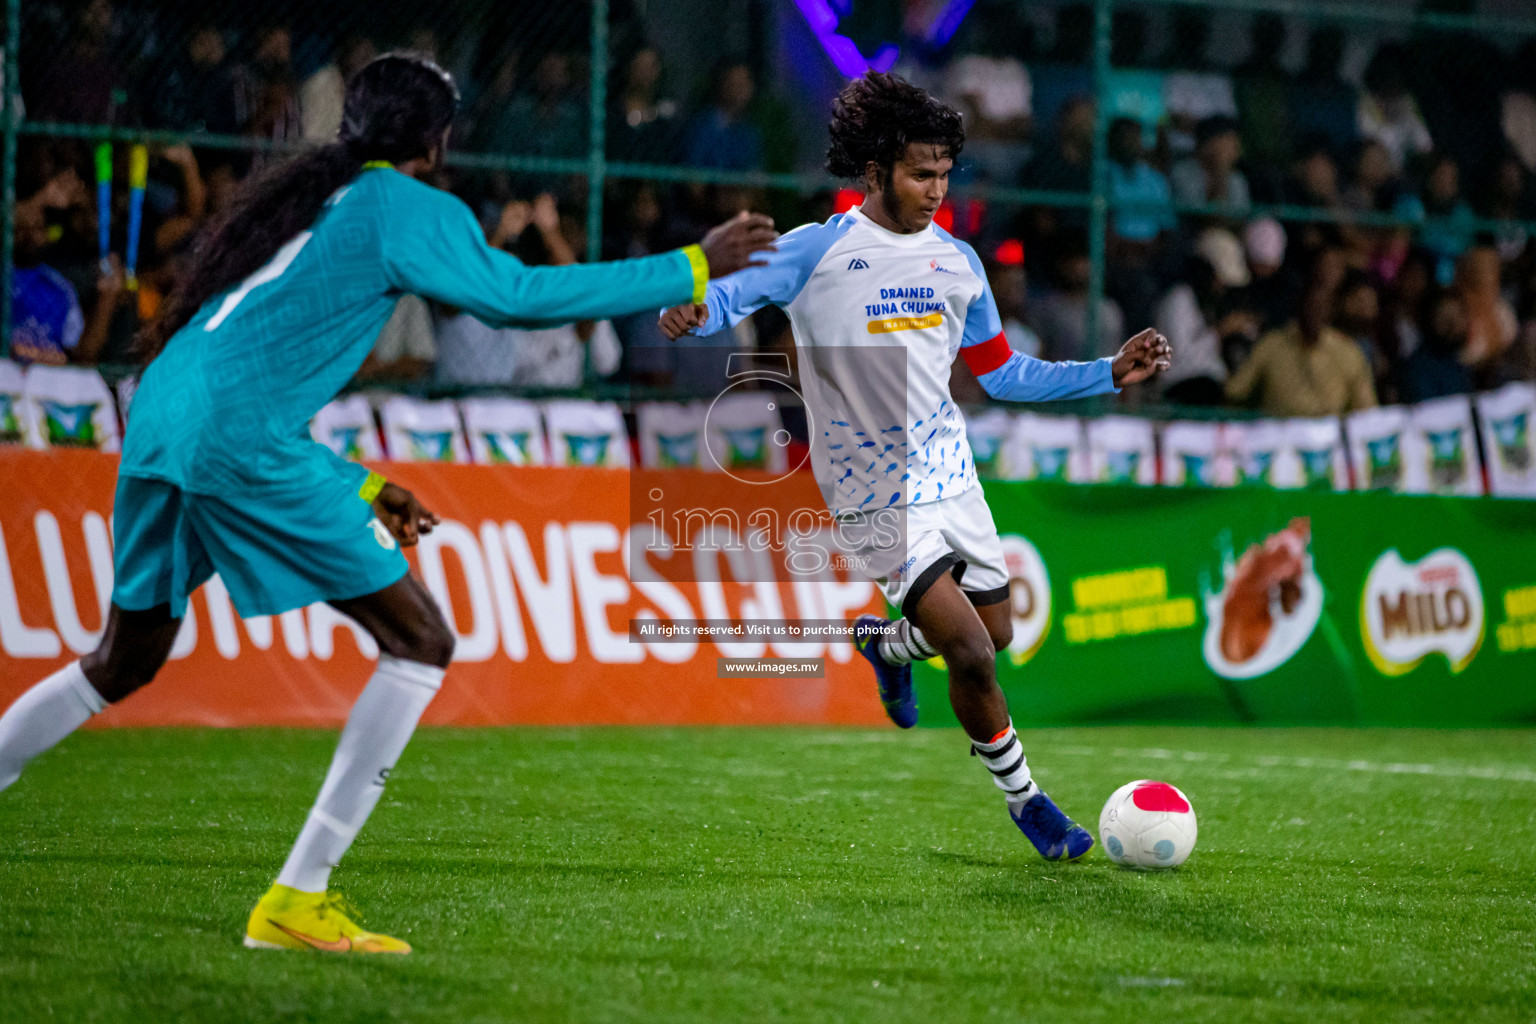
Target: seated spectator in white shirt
<point>405,349</point>
<point>1388,112</point>
<point>321,94</point>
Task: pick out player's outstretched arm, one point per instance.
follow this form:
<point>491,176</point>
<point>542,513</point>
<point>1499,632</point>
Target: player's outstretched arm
<point>435,248</point>
<point>1011,376</point>
<point>774,279</point>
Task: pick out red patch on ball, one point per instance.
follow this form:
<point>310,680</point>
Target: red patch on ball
<point>1159,796</point>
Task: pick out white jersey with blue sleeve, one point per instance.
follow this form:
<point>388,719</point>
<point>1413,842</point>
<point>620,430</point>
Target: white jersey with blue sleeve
<point>878,319</point>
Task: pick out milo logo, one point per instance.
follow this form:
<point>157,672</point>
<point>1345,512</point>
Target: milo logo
<point>1410,610</point>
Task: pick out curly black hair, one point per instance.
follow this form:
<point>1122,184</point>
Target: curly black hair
<point>877,115</point>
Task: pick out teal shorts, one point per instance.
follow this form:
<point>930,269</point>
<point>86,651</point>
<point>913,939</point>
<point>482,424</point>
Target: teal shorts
<point>274,553</point>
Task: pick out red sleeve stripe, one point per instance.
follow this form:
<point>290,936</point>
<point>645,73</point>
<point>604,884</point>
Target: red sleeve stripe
<point>987,356</point>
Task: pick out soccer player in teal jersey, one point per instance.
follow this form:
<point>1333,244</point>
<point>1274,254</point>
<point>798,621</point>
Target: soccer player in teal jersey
<point>284,300</point>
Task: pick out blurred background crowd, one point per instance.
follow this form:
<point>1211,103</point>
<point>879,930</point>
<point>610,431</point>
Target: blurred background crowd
<point>1323,215</point>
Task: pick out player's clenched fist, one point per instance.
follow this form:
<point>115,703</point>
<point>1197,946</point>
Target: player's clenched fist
<point>1144,355</point>
<point>679,320</point>
<point>731,246</point>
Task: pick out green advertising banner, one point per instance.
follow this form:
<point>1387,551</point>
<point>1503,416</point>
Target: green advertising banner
<point>1264,606</point>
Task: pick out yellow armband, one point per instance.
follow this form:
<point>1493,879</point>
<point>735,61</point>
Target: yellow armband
<point>371,487</point>
<point>700,265</point>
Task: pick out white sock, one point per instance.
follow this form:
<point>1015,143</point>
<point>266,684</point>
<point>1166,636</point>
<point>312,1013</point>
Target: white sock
<point>376,733</point>
<point>43,716</point>
<point>907,646</point>
<point>1003,755</point>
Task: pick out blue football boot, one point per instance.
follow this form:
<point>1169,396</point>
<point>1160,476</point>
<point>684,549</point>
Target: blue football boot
<point>1055,835</point>
<point>895,681</point>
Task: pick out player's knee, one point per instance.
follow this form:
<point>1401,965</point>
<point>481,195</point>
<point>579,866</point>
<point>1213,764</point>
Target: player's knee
<point>972,660</point>
<point>430,643</point>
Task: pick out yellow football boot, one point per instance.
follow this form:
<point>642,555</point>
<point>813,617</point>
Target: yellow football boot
<point>289,919</point>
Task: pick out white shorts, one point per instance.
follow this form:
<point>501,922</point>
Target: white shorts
<point>955,535</point>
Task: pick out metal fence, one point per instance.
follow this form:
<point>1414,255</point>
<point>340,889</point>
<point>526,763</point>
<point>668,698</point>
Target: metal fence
<point>547,88</point>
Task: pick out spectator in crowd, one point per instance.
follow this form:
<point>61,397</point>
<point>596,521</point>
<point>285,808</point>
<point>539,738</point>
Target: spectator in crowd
<point>1143,211</point>
<point>1375,184</point>
<point>1388,113</point>
<point>992,88</point>
<point>1273,292</point>
<point>643,124</point>
<point>406,348</point>
<point>1262,87</point>
<point>1508,197</point>
<point>1404,310</point>
<point>1061,316</point>
<point>1517,107</point>
<point>1436,366</point>
<point>47,325</point>
<point>1193,89</point>
<point>84,83</point>
<point>543,120</point>
<point>1211,175</point>
<point>1190,310</point>
<point>1322,105</point>
<point>1358,315</point>
<point>1305,369</point>
<point>178,208</point>
<point>722,136</point>
<point>1066,165</point>
<point>321,94</point>
<point>1455,75</point>
<point>1448,230</point>
<point>196,94</point>
<point>1010,292</point>
<point>1491,323</point>
<point>1063,73</point>
<point>268,95</point>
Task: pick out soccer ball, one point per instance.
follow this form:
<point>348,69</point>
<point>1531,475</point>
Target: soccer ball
<point>1148,824</point>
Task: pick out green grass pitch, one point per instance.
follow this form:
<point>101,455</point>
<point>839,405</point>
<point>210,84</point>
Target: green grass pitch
<point>715,875</point>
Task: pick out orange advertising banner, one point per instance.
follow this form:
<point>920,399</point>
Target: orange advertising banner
<point>529,564</point>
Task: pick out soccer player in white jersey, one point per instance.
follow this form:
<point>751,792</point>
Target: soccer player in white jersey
<point>882,275</point>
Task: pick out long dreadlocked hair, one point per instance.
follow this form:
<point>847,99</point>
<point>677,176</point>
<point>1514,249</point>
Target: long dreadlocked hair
<point>397,108</point>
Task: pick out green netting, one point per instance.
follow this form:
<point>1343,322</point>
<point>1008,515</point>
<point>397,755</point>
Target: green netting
<point>599,103</point>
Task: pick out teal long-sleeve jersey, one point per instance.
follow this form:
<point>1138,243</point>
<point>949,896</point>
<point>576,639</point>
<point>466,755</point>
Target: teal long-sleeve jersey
<point>225,408</point>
